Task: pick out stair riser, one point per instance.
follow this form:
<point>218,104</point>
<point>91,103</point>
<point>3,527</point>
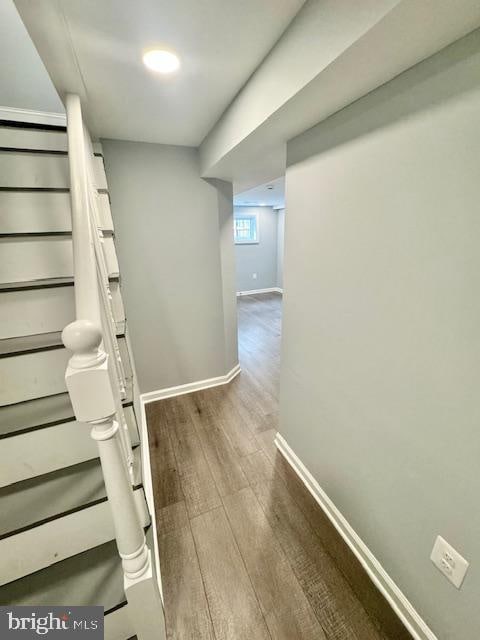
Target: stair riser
<point>44,497</point>
<point>35,375</point>
<point>59,539</point>
<point>35,311</point>
<point>32,454</point>
<point>32,375</point>
<point>22,170</point>
<point>43,211</point>
<point>34,139</point>
<point>29,503</point>
<point>37,139</point>
<point>91,578</point>
<point>31,258</point>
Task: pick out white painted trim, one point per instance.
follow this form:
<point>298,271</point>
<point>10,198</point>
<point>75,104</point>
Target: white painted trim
<point>148,489</point>
<point>387,587</point>
<point>161,394</point>
<point>35,117</point>
<point>252,291</point>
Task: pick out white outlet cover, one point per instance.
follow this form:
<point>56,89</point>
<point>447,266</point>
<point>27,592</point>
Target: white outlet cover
<point>449,562</point>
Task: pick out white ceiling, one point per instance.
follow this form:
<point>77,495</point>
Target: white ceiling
<point>263,196</point>
<point>219,42</point>
<point>24,82</point>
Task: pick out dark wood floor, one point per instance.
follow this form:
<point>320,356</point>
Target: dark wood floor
<point>245,552</point>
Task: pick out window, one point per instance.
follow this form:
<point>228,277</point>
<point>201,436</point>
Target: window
<point>245,229</point>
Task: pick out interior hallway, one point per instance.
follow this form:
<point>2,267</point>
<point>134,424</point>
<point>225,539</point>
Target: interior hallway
<point>243,546</point>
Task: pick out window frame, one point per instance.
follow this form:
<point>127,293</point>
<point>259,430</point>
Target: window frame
<point>246,216</point>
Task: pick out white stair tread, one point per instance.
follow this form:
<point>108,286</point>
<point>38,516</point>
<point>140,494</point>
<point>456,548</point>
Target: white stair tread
<point>43,283</point>
<point>24,375</point>
<point>45,497</point>
<point>27,504</point>
<point>38,342</point>
<point>54,541</point>
<point>10,346</point>
<point>40,282</point>
<point>34,453</point>
<point>94,577</point>
<point>33,414</point>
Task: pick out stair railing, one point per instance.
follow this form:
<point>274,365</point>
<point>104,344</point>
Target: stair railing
<point>89,383</point>
<point>117,371</point>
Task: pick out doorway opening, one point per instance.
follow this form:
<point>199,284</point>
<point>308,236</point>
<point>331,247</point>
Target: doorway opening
<point>259,220</point>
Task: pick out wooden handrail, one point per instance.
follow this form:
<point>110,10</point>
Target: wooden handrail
<point>86,288</point>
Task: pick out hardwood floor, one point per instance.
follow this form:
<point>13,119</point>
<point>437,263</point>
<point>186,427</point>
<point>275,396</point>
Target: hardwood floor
<point>245,552</point>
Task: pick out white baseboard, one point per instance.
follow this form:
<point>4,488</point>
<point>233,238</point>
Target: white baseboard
<point>35,117</point>
<point>148,490</point>
<point>387,587</point>
<point>252,291</point>
<point>161,394</point>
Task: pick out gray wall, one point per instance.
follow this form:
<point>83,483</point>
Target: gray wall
<point>381,330</point>
<point>258,258</point>
<point>280,245</point>
<point>176,262</point>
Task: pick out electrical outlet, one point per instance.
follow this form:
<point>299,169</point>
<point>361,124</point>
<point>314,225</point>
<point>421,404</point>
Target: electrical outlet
<point>254,276</point>
<point>449,562</point>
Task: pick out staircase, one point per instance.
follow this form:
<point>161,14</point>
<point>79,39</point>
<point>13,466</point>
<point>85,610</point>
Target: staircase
<point>66,514</point>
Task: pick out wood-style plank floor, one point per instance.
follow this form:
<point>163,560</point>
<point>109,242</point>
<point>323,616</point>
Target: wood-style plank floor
<point>241,545</point>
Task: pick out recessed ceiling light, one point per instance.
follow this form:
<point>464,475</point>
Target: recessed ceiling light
<point>161,61</point>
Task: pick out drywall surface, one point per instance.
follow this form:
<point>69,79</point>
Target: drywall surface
<point>320,32</point>
<point>258,259</point>
<point>228,270</point>
<point>280,245</point>
<point>168,235</point>
<point>332,54</point>
<point>24,81</point>
<point>381,327</point>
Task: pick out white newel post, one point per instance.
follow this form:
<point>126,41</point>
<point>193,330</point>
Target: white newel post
<point>89,386</point>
